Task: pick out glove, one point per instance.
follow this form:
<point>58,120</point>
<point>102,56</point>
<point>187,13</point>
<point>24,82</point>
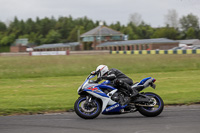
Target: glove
<point>103,77</point>
<point>98,80</point>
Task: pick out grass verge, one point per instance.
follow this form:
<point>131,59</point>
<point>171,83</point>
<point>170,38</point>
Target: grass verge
<point>49,83</point>
<point>39,95</point>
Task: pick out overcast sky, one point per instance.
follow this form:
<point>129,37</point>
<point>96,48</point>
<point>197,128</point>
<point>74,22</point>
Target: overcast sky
<point>111,11</point>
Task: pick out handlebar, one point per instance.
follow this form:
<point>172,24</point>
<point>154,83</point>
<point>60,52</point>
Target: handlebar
<point>93,73</point>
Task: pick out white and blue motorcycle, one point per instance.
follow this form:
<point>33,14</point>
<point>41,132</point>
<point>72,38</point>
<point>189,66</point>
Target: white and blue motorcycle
<point>102,98</point>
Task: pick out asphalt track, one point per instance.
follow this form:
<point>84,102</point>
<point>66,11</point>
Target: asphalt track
<point>175,119</point>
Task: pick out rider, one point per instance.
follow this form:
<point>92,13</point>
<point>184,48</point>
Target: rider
<point>118,79</point>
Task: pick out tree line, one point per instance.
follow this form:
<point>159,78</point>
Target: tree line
<point>66,29</point>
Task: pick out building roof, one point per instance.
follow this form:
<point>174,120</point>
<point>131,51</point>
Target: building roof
<point>141,41</point>
<point>57,45</point>
<point>190,41</point>
<point>101,30</point>
<point>21,42</point>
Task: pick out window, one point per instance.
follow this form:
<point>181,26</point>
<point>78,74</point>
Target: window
<point>88,39</point>
<point>98,38</point>
<point>116,37</point>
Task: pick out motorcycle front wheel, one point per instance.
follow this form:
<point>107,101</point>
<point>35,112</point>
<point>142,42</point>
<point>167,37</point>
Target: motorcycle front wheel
<point>87,110</point>
<point>156,108</point>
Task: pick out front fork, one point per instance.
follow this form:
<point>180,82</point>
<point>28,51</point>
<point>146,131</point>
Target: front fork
<point>89,101</point>
<point>88,98</point>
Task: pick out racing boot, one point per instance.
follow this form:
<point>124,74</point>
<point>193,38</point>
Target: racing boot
<point>132,91</point>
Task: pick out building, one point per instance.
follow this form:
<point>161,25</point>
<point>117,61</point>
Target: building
<point>58,47</point>
<point>91,39</point>
<point>104,38</point>
<point>19,45</point>
<point>190,42</point>
<point>143,44</point>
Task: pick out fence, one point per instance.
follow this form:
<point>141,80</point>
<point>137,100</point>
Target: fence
<point>188,51</point>
<point>89,52</point>
<point>38,53</point>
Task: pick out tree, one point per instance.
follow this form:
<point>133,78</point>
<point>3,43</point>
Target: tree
<point>189,21</point>
<point>36,38</point>
<point>65,29</point>
<point>2,26</point>
<point>73,36</point>
<point>64,25</point>
<point>131,31</point>
<point>52,37</point>
<point>135,18</point>
<point>30,26</point>
<point>171,18</point>
<point>116,26</point>
<point>166,32</point>
<point>191,34</point>
<point>144,31</point>
<point>7,40</point>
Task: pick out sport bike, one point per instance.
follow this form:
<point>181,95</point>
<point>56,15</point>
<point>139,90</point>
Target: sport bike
<point>103,98</point>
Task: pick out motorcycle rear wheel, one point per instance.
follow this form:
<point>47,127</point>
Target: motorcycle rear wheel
<point>86,111</point>
<point>156,109</point>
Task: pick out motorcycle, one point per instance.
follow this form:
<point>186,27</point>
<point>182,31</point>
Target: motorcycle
<point>103,98</point>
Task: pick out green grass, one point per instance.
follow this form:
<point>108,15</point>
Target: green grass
<point>56,66</point>
<point>37,94</point>
<point>49,83</point>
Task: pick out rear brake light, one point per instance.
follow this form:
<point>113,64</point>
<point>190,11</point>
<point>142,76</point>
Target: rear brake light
<point>154,80</point>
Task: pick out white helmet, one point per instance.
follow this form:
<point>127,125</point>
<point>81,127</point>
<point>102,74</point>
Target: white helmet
<point>101,70</point>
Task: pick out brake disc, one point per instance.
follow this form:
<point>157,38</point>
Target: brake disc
<point>86,110</point>
<point>152,103</point>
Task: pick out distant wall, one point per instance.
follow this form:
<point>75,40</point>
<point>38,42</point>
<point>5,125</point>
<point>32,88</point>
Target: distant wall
<point>89,52</point>
<point>149,46</point>
<point>163,46</point>
<point>18,49</point>
<point>14,54</point>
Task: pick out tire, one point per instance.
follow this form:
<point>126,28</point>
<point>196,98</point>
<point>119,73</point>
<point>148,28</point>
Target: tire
<point>152,111</point>
<point>86,112</point>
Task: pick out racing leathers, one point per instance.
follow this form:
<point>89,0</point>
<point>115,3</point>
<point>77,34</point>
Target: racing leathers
<point>119,80</point>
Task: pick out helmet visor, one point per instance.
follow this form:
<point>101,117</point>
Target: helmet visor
<point>98,73</point>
